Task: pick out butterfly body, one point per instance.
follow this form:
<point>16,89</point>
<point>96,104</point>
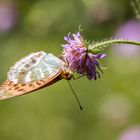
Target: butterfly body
<point>34,72</point>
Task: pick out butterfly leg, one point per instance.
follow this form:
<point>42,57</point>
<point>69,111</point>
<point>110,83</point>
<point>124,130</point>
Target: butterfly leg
<point>73,77</point>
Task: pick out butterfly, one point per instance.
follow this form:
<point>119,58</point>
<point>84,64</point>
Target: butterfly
<point>33,72</point>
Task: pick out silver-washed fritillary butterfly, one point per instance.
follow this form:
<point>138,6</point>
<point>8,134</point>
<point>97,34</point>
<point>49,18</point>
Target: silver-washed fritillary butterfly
<point>34,72</point>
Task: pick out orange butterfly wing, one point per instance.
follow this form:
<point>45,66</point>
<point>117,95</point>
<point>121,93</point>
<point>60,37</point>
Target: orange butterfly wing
<point>9,89</point>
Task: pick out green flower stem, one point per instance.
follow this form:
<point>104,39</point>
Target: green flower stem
<point>99,47</point>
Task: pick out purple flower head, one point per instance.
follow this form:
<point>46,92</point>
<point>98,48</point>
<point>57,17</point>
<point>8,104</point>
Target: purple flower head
<point>79,59</point>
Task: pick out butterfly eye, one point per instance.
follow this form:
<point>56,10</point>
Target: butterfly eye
<point>68,76</point>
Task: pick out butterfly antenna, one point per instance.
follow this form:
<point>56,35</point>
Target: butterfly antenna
<point>81,108</point>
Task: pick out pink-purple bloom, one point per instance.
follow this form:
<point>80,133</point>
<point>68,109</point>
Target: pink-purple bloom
<point>129,30</point>
<point>8,16</point>
<point>79,59</point>
<point>132,133</point>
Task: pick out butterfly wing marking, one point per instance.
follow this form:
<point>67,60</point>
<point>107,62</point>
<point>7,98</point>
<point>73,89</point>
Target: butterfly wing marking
<point>9,89</point>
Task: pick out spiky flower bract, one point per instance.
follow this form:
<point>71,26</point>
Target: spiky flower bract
<point>79,60</point>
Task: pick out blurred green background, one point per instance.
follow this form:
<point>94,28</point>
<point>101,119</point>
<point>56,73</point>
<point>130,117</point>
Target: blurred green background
<point>111,104</point>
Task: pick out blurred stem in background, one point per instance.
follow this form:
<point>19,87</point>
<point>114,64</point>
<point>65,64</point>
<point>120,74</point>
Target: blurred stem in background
<point>136,7</point>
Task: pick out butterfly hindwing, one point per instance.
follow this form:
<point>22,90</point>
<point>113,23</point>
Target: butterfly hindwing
<point>34,67</point>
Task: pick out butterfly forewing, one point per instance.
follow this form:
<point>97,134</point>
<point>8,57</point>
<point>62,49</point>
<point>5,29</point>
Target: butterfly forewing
<point>31,73</point>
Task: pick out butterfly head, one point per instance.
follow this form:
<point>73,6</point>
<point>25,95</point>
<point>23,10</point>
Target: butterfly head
<point>66,74</point>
